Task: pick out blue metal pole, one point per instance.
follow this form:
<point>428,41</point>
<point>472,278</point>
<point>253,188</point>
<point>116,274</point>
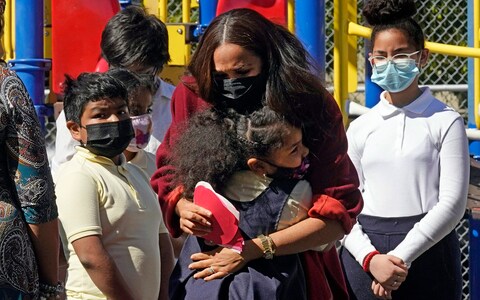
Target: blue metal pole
<point>372,90</point>
<point>310,29</point>
<point>29,63</point>
<point>207,11</point>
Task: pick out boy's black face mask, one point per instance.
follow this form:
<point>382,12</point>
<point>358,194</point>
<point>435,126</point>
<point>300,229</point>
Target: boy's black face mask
<point>109,139</point>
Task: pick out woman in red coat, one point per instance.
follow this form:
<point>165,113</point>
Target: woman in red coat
<point>244,62</point>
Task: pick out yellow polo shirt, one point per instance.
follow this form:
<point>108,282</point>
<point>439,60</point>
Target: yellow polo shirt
<point>97,197</point>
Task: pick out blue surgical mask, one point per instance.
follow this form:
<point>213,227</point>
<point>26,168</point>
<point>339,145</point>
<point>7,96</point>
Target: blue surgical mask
<point>396,76</point>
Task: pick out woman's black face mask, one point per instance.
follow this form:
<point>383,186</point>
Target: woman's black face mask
<point>244,95</point>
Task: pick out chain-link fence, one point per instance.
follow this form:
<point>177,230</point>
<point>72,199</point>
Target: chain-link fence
<point>445,21</point>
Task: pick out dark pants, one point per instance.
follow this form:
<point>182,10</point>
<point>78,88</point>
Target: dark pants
<point>436,274</point>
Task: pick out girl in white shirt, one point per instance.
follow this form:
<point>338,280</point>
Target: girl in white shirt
<point>411,155</point>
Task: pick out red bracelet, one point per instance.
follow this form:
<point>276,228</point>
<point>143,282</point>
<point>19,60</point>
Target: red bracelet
<point>367,259</point>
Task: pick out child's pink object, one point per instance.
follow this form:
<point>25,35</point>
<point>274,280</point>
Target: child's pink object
<point>225,231</point>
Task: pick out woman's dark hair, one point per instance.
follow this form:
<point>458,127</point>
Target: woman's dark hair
<point>286,65</point>
<point>133,82</point>
<point>394,14</point>
<point>215,144</point>
<point>89,87</point>
<point>133,38</point>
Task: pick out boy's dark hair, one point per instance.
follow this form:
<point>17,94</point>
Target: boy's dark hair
<point>215,144</point>
<point>133,38</point>
<point>133,82</point>
<point>89,87</point>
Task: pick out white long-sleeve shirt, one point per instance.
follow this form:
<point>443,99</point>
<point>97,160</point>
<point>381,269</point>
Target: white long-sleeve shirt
<point>161,116</point>
<point>410,161</point>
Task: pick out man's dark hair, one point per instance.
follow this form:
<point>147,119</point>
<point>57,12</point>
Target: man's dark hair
<point>133,38</point>
<point>89,87</point>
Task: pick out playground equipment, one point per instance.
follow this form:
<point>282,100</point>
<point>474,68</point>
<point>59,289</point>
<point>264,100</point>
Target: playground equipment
<point>72,44</point>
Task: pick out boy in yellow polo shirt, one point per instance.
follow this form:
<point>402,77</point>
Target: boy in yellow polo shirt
<point>110,215</point>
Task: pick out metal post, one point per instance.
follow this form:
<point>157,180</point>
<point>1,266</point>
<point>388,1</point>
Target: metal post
<point>208,10</point>
<point>29,63</point>
<point>372,90</point>
<point>473,102</point>
<point>310,29</point>
<point>340,54</point>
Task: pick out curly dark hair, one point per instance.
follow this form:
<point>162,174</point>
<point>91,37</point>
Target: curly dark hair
<point>394,14</point>
<point>214,144</point>
<point>89,87</point>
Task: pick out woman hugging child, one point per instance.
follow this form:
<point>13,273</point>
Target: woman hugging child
<point>257,162</point>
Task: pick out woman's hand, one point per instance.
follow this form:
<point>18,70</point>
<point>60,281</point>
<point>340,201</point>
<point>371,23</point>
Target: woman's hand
<point>217,263</point>
<point>380,292</point>
<point>390,271</point>
<point>194,219</point>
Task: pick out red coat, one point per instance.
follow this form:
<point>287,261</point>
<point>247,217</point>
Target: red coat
<point>333,178</point>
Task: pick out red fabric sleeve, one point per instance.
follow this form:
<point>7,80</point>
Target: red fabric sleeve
<point>332,175</point>
<point>184,103</point>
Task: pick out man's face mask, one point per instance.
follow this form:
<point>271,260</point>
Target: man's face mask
<point>142,126</point>
<point>109,139</point>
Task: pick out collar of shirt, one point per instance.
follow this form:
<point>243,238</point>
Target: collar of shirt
<point>165,90</point>
<point>140,160</point>
<point>245,186</point>
<point>84,152</point>
<point>418,106</point>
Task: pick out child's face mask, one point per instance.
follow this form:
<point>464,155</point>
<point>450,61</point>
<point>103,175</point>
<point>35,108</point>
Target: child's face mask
<point>142,126</point>
<point>395,74</point>
<point>109,139</point>
<point>291,173</point>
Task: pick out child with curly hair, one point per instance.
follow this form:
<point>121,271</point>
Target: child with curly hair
<point>257,162</point>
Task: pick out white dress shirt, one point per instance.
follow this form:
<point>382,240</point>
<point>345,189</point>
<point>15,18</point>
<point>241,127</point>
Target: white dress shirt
<point>161,116</point>
<point>410,161</point>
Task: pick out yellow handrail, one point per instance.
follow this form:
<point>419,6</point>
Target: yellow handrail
<point>446,49</point>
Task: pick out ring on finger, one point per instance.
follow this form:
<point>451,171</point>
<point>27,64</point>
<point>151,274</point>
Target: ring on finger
<point>211,270</point>
<point>394,283</point>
